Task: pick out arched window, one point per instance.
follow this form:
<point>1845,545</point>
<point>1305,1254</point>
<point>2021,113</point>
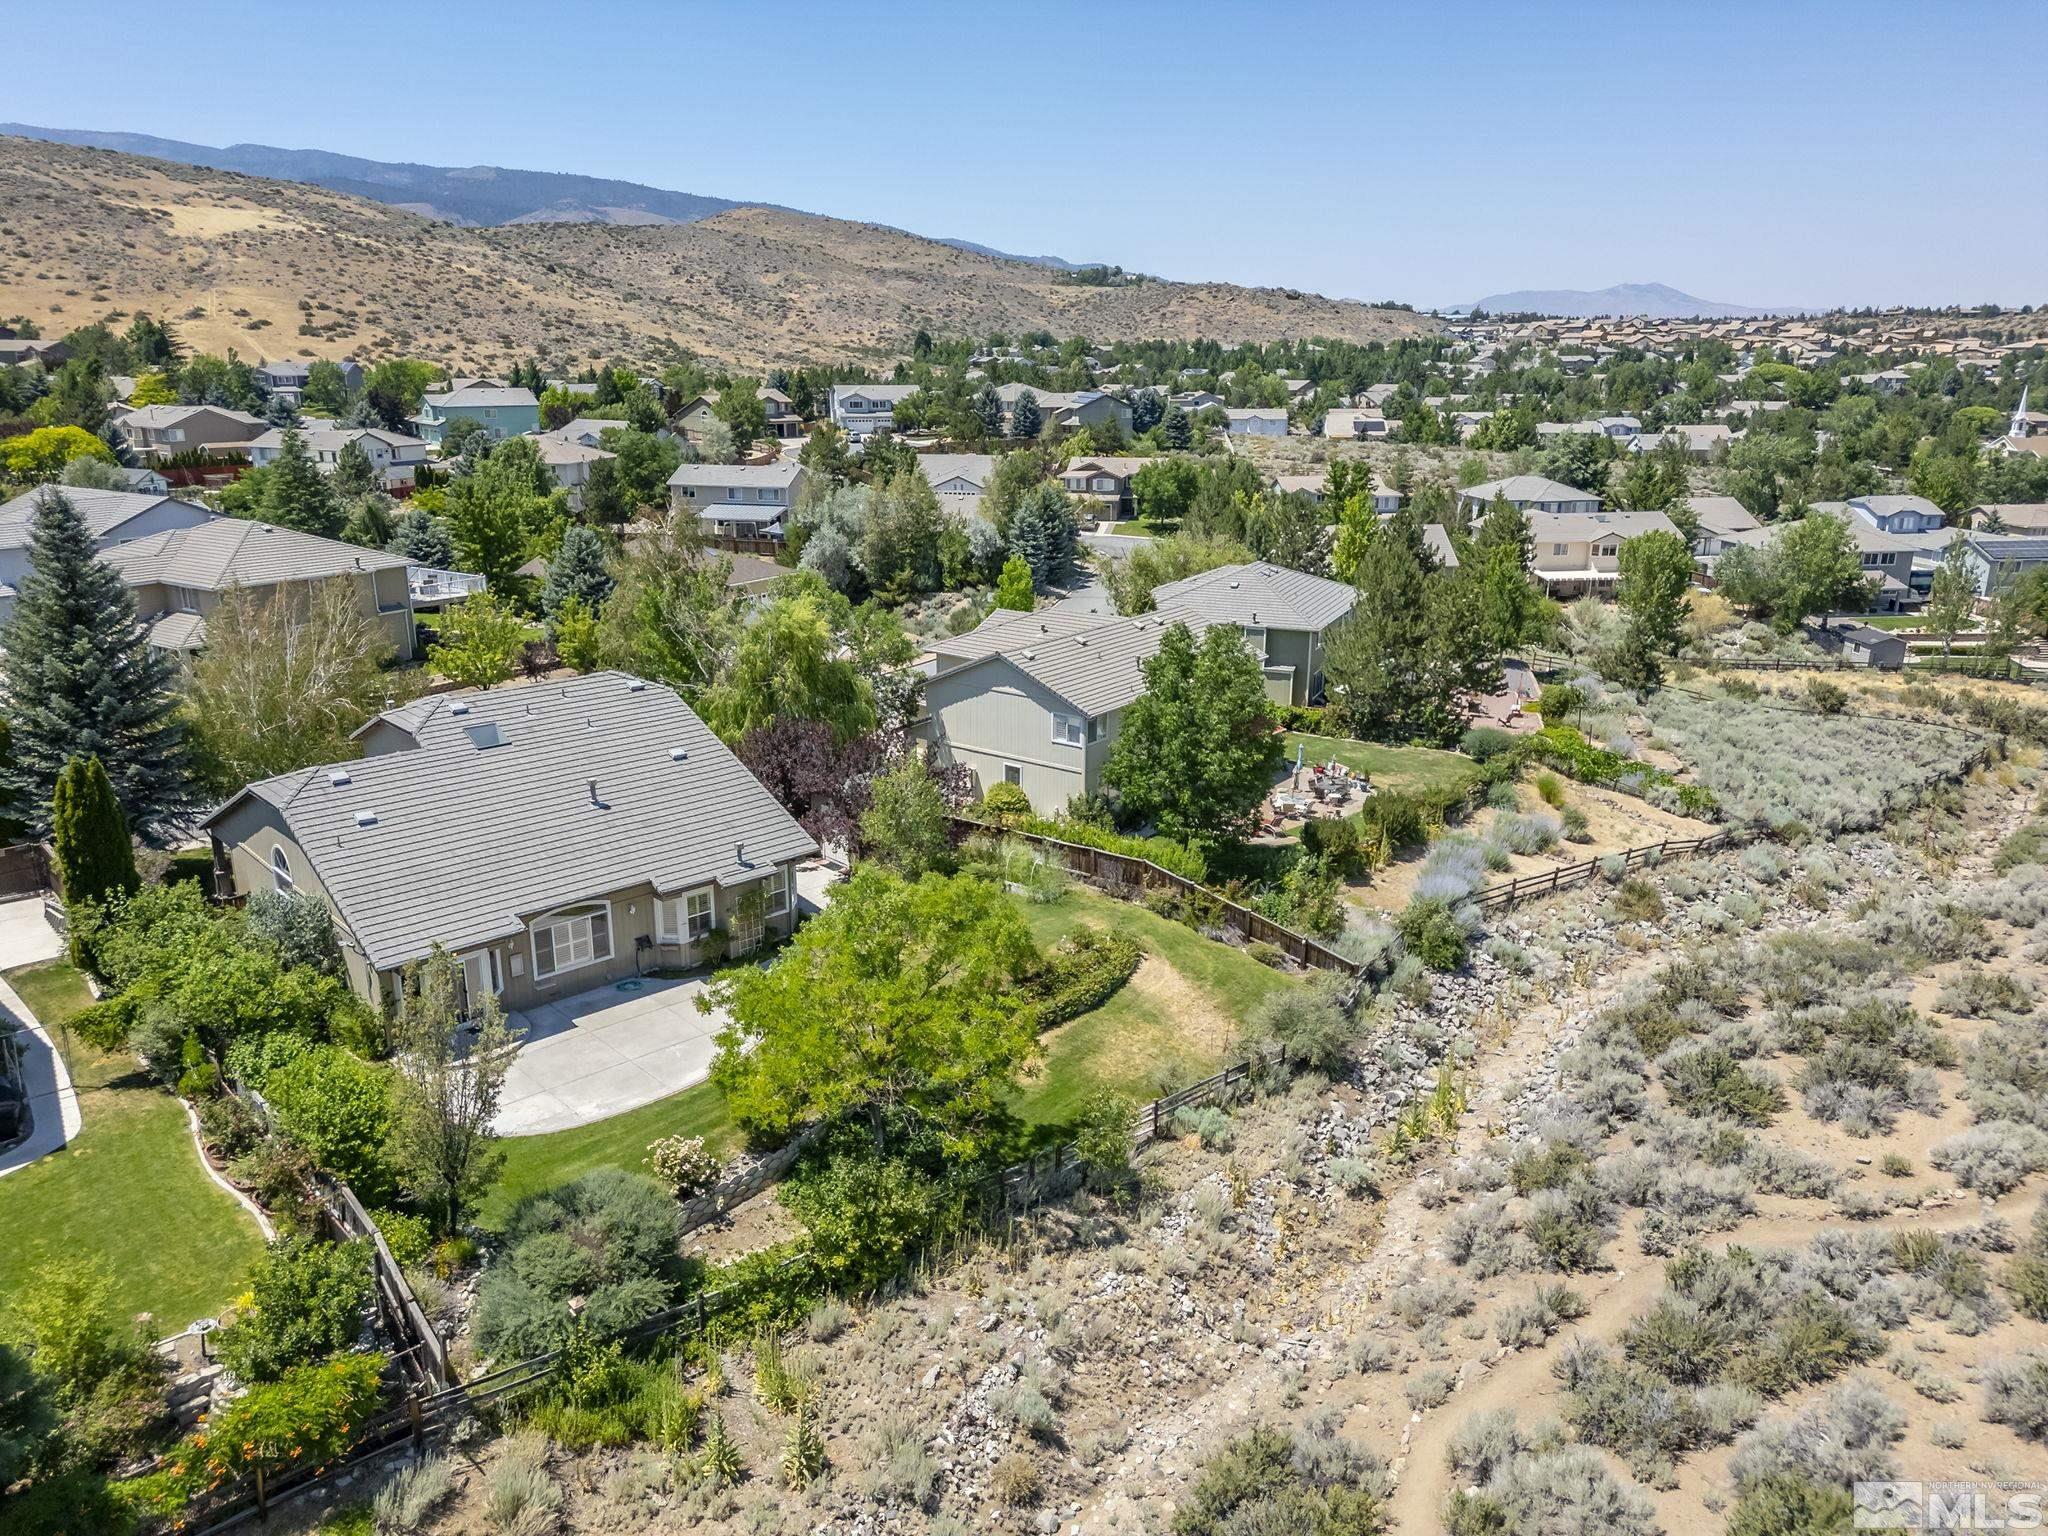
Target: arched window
<point>280,869</point>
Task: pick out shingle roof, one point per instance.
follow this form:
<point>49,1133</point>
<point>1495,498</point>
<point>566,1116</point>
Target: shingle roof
<point>1526,488</point>
<point>235,552</point>
<point>103,511</point>
<point>781,474</point>
<point>468,842</point>
<point>1259,593</point>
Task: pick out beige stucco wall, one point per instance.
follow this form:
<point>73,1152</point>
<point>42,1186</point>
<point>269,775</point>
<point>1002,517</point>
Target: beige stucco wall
<point>990,715</point>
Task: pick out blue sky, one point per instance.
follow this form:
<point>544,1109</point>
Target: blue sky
<point>1787,153</point>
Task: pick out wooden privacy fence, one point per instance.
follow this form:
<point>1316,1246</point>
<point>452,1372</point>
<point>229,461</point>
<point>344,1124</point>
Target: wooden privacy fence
<point>24,871</point>
<point>1508,892</point>
<point>1123,871</point>
<point>421,1355</point>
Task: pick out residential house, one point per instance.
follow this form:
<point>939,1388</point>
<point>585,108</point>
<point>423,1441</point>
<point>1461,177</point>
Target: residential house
<point>1575,553</point>
<point>20,351</point>
<point>1376,395</point>
<point>697,416</point>
<point>1104,483</point>
<point>568,459</point>
<point>1310,486</point>
<point>161,431</point>
<point>1530,493</point>
<point>1298,390</point>
<point>1193,400</point>
<point>111,517</point>
<point>737,500</point>
<point>861,410</point>
<point>753,577</point>
<point>1892,514</point>
<point>502,412</point>
<point>1037,699</point>
<point>180,576</point>
<point>554,839</point>
<point>286,378</point>
<point>2011,516</point>
<point>1352,423</point>
<point>1258,422</point>
<point>1719,517</point>
<point>146,481</point>
<point>1284,614</point>
<point>393,455</point>
<point>1699,440</point>
<point>1066,411</point>
<point>958,476</point>
<point>1995,559</point>
<point>1892,381</point>
<point>1887,558</point>
<point>588,431</point>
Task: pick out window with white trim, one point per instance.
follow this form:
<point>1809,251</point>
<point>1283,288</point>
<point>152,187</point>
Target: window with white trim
<point>569,941</point>
<point>1558,549</point>
<point>1012,774</point>
<point>687,918</point>
<point>281,869</point>
<point>481,978</point>
<point>776,889</point>
<point>1069,730</point>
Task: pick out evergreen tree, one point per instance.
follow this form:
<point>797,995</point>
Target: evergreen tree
<point>296,494</point>
<point>1025,417</point>
<point>81,680</point>
<point>577,572</point>
<point>1375,660</point>
<point>1175,430</point>
<point>368,522</point>
<point>1147,407</point>
<point>88,834</point>
<point>988,409</point>
<point>1013,588</point>
<point>281,411</point>
<point>1044,532</point>
<point>423,539</point>
<point>354,472</point>
<point>605,498</point>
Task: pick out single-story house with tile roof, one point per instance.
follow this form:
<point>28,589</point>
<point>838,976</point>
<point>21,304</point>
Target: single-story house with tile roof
<point>502,412</point>
<point>1285,616</point>
<point>2014,516</point>
<point>1531,493</point>
<point>555,838</point>
<point>180,576</point>
<point>111,517</point>
<point>737,500</point>
<point>958,477</point>
<point>1257,421</point>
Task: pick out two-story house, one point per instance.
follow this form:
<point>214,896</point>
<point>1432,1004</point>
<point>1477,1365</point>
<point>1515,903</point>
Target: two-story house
<point>737,500</point>
<point>960,479</point>
<point>1893,514</point>
<point>1285,616</point>
<point>180,576</point>
<point>164,431</point>
<point>1065,410</point>
<point>554,839</point>
<point>501,412</point>
<point>111,517</point>
<point>286,377</point>
<point>393,455</point>
<point>861,410</point>
<point>1529,493</point>
<point>1575,553</point>
<point>1719,519</point>
<point>1996,559</point>
<point>1103,482</point>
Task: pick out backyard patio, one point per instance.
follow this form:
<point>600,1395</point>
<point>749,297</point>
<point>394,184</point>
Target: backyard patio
<point>602,1052</point>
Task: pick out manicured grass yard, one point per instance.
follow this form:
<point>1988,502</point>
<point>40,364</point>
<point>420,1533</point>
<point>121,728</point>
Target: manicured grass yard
<point>1399,768</point>
<point>130,1187</point>
<point>535,1163</point>
<point>1152,1035</point>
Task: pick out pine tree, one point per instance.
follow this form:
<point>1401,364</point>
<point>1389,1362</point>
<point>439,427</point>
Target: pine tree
<point>297,495</point>
<point>1375,661</point>
<point>577,572</point>
<point>988,407</point>
<point>81,680</point>
<point>354,472</point>
<point>423,539</point>
<point>1175,430</point>
<point>89,835</point>
<point>1043,531</point>
<point>1025,416</point>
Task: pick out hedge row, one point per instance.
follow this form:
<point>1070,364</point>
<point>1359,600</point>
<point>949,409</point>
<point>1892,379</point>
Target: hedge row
<point>1085,970</point>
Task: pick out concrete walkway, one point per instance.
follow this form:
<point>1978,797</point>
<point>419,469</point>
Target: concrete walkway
<point>599,1053</point>
<point>26,937</point>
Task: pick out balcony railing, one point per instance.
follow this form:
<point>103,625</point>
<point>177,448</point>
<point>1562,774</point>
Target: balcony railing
<point>429,585</point>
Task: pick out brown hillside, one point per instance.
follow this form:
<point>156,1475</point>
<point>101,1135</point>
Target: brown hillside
<point>277,268</point>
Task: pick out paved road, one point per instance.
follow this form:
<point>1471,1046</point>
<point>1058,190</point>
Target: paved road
<point>26,937</point>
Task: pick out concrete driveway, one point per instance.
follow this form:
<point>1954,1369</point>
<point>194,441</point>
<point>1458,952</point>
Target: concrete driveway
<point>26,937</point>
<point>603,1052</point>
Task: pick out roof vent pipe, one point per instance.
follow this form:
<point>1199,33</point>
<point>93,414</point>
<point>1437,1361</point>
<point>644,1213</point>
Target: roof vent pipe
<point>593,795</point>
<point>739,854</point>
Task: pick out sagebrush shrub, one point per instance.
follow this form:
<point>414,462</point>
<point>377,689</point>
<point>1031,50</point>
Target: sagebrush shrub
<point>2016,1395</point>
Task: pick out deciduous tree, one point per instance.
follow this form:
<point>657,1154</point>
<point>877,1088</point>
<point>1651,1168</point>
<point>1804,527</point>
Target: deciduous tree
<point>480,640</point>
<point>447,1089</point>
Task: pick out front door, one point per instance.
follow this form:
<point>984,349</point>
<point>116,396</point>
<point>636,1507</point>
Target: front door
<point>480,979</point>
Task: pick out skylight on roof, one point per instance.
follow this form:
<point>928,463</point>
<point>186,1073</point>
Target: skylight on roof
<point>484,734</point>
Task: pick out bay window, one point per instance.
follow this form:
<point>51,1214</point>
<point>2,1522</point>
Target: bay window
<point>570,940</point>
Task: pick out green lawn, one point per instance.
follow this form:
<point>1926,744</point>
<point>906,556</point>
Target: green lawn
<point>130,1186</point>
<point>535,1163</point>
<point>1399,768</point>
<point>1140,1043</point>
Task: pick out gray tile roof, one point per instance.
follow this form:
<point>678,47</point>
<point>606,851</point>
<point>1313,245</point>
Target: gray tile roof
<point>975,467</point>
<point>1569,527</point>
<point>1093,663</point>
<point>469,842</point>
<point>1721,514</point>
<point>233,551</point>
<point>103,511</point>
<point>778,476</point>
<point>1259,593</point>
<point>171,415</point>
<point>1530,488</point>
<point>476,395</point>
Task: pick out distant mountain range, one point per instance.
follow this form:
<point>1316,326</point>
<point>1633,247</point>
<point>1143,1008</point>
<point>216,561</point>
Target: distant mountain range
<point>467,195</point>
<point>1653,301</point>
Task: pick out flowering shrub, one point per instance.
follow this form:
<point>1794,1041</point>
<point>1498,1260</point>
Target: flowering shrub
<point>683,1164</point>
